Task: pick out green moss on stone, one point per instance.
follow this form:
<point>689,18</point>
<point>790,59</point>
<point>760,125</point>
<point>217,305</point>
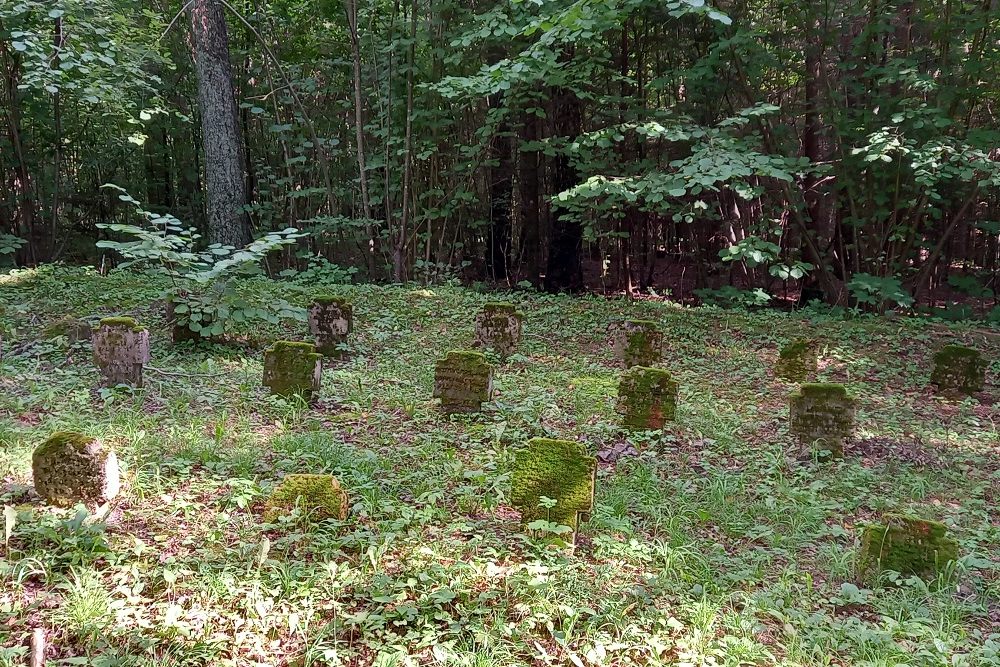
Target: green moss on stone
<point>121,323</point>
<point>639,343</point>
<point>500,308</point>
<point>557,469</point>
<point>329,300</point>
<point>823,414</point>
<point>463,380</point>
<point>291,368</point>
<point>498,327</point>
<point>320,496</point>
<point>906,544</point>
<point>62,439</point>
<point>647,398</point>
<point>69,327</point>
<point>959,368</point>
<point>797,361</point>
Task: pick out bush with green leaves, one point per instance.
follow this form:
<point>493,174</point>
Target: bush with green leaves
<point>202,294</point>
<point>877,292</point>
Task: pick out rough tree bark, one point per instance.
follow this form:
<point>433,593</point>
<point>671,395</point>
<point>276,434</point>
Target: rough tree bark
<point>501,175</point>
<point>225,173</point>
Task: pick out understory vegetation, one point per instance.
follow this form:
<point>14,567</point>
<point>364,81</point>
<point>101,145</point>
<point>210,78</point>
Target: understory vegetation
<point>717,541</point>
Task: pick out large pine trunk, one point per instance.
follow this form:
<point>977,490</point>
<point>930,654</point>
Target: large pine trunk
<point>225,173</point>
<point>565,272</point>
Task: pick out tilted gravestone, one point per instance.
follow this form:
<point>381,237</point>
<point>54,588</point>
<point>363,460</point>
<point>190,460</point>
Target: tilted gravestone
<point>331,319</point>
<point>638,343</point>
<point>463,381</point>
<point>498,327</point>
<point>958,368</point>
<point>647,398</point>
<point>798,361</point>
<point>121,349</point>
<point>292,368</point>
<point>905,544</point>
<point>558,469</point>
<point>823,414</point>
<point>319,496</point>
<point>71,468</point>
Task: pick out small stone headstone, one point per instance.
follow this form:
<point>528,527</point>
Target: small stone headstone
<point>180,326</point>
<point>463,381</point>
<point>647,398</point>
<point>638,343</point>
<point>319,496</point>
<point>906,544</point>
<point>960,369</point>
<point>558,469</point>
<point>121,349</point>
<point>331,319</point>
<point>292,368</point>
<point>498,327</point>
<point>71,468</point>
<point>798,361</point>
<point>71,328</point>
<point>823,414</point>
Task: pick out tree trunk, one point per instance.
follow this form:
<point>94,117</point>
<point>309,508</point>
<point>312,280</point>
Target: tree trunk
<point>528,181</point>
<point>501,188</point>
<point>225,173</point>
<point>565,272</point>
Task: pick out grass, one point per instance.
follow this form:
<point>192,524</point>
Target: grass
<point>720,543</point>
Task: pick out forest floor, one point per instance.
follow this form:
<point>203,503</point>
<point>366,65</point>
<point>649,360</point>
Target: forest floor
<point>717,542</point>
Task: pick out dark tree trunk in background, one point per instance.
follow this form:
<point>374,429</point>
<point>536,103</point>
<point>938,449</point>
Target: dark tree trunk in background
<point>225,173</point>
<point>529,178</point>
<point>564,272</point>
<point>501,190</point>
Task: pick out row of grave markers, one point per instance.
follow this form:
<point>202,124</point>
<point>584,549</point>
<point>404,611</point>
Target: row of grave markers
<point>561,469</point>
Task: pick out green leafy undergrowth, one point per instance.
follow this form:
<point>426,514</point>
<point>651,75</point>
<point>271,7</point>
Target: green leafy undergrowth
<point>719,541</point>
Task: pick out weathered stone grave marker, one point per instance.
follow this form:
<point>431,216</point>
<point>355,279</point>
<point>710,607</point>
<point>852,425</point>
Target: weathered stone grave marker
<point>498,327</point>
<point>960,369</point>
<point>121,349</point>
<point>906,544</point>
<point>331,319</point>
<point>822,413</point>
<point>647,398</point>
<point>71,468</point>
<point>798,361</point>
<point>292,368</point>
<point>557,469</point>
<point>638,343</point>
<point>319,496</point>
<point>463,381</point>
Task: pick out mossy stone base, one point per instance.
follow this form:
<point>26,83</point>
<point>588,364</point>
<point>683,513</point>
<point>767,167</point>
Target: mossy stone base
<point>638,343</point>
<point>71,468</point>
<point>960,369</point>
<point>121,349</point>
<point>557,469</point>
<point>498,327</point>
<point>331,319</point>
<point>71,328</point>
<point>798,361</point>
<point>292,368</point>
<point>463,381</point>
<point>647,398</point>
<point>320,496</point>
<point>822,414</point>
<point>906,544</point>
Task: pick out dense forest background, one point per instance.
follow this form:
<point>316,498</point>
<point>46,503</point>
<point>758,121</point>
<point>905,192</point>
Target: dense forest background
<point>742,152</point>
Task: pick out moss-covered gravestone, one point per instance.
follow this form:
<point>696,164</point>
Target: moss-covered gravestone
<point>638,343</point>
<point>71,328</point>
<point>292,368</point>
<point>906,544</point>
<point>331,319</point>
<point>498,327</point>
<point>463,381</point>
<point>798,361</point>
<point>319,496</point>
<point>71,468</point>
<point>121,349</point>
<point>958,368</point>
<point>822,414</point>
<point>557,469</point>
<point>647,398</point>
